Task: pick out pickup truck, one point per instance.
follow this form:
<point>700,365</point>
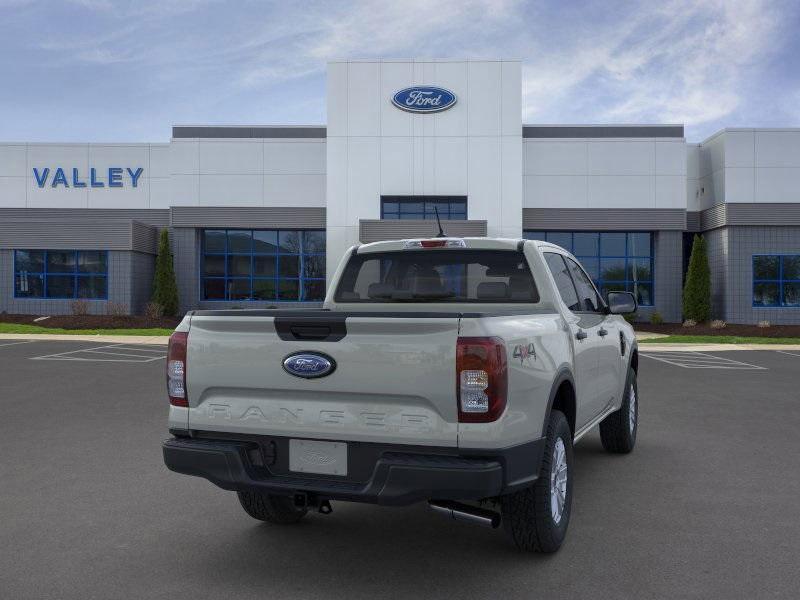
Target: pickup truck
<point>458,372</point>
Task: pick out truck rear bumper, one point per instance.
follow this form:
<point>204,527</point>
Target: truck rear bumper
<point>399,475</point>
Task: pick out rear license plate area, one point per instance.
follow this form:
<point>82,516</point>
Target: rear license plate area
<point>321,458</point>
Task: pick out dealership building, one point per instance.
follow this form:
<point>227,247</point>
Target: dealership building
<point>260,215</point>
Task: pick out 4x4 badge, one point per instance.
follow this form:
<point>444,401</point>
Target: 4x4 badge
<point>523,353</point>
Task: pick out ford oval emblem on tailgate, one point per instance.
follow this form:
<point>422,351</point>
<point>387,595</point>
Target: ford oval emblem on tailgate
<point>308,365</point>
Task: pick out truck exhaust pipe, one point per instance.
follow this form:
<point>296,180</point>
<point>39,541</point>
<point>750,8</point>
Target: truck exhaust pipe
<point>466,513</point>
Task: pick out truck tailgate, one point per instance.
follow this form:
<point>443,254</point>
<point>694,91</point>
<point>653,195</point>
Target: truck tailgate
<point>394,380</point>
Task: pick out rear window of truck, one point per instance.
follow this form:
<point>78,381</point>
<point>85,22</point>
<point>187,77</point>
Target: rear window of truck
<point>478,276</point>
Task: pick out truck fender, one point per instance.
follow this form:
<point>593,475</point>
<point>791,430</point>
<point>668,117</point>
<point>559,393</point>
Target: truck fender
<point>562,375</point>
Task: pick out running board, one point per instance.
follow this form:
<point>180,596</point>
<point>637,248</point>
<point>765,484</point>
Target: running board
<point>586,428</point>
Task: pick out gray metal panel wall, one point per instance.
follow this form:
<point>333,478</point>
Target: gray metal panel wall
<point>125,278</point>
<point>152,216</point>
<point>66,234</point>
<point>743,243</point>
<point>376,230</point>
<point>141,278</point>
<point>264,217</point>
<point>777,214</point>
<point>693,221</point>
<point>717,251</point>
<point>185,252</point>
<point>782,214</point>
<point>604,219</point>
<point>144,238</point>
<point>668,276</point>
<point>200,132</point>
<point>602,131</point>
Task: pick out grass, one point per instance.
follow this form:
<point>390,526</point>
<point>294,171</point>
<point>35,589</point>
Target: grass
<point>21,328</point>
<point>720,339</point>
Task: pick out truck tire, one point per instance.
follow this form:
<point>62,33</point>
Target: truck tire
<point>618,430</point>
<point>537,517</point>
<point>271,508</point>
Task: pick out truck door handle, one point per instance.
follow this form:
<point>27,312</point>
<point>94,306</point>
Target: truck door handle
<point>602,332</point>
<point>581,335</point>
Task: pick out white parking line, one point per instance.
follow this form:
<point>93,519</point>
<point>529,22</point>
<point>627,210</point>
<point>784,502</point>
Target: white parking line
<point>143,358</point>
<point>16,343</point>
<point>785,352</point>
<point>701,360</point>
<point>131,355</point>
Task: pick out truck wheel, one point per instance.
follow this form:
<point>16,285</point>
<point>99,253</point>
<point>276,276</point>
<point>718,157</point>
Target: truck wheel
<point>270,508</point>
<point>618,430</point>
<point>537,517</point>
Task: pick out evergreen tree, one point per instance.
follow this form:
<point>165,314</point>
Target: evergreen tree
<point>697,290</point>
<point>165,288</point>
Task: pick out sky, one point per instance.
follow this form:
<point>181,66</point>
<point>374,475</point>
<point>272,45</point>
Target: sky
<point>127,70</point>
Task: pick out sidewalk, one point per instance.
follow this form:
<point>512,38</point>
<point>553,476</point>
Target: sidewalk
<point>716,347</point>
<point>157,340</point>
<point>103,339</point>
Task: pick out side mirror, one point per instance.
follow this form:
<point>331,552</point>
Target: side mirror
<point>621,303</point>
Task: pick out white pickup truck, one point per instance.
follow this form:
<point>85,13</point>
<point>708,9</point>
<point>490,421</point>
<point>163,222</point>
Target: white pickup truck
<point>454,371</point>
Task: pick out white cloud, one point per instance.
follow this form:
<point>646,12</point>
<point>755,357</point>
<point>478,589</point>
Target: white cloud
<point>683,62</point>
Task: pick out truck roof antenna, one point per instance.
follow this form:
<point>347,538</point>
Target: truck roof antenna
<point>438,221</point>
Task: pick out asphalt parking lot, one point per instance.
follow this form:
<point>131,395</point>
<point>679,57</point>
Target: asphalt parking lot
<point>708,505</point>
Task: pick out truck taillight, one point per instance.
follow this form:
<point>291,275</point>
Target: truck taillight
<point>481,379</point>
<point>176,369</point>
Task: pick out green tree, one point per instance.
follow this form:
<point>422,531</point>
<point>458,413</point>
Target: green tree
<point>697,290</point>
<point>165,288</point>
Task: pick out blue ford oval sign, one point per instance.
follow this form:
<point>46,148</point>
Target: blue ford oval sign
<point>308,365</point>
<point>424,99</point>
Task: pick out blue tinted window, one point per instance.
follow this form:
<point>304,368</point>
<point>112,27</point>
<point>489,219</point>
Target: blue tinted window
<point>450,208</point>
<point>66,274</point>
<point>776,280</point>
<point>263,265</point>
<point>615,260</point>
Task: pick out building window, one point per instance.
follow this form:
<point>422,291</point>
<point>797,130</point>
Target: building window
<point>776,280</point>
<point>615,260</point>
<point>263,265</point>
<point>61,274</point>
<point>451,208</point>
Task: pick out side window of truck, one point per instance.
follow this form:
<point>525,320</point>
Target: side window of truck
<point>564,284</point>
<point>587,295</point>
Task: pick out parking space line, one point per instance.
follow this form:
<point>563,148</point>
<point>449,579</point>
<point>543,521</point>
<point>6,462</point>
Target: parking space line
<point>120,360</point>
<point>142,350</point>
<point>143,355</point>
<point>144,358</point>
<point>71,352</point>
<point>787,353</point>
<point>702,360</point>
<point>17,343</point>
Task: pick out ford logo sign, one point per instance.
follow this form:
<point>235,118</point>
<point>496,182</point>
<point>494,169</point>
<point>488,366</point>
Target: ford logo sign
<point>424,99</point>
<point>308,365</point>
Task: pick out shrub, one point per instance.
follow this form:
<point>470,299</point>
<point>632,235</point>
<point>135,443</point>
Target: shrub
<point>764,324</point>
<point>165,288</point>
<point>697,291</point>
<point>116,309</point>
<point>690,323</point>
<point>630,318</point>
<point>656,318</point>
<point>153,311</point>
<point>79,308</point>
<point>718,324</point>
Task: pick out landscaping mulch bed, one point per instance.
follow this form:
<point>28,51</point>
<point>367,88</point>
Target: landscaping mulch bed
<point>774,331</point>
<point>93,321</point>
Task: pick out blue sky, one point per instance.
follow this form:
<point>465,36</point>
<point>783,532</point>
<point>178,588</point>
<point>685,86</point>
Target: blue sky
<point>105,70</point>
